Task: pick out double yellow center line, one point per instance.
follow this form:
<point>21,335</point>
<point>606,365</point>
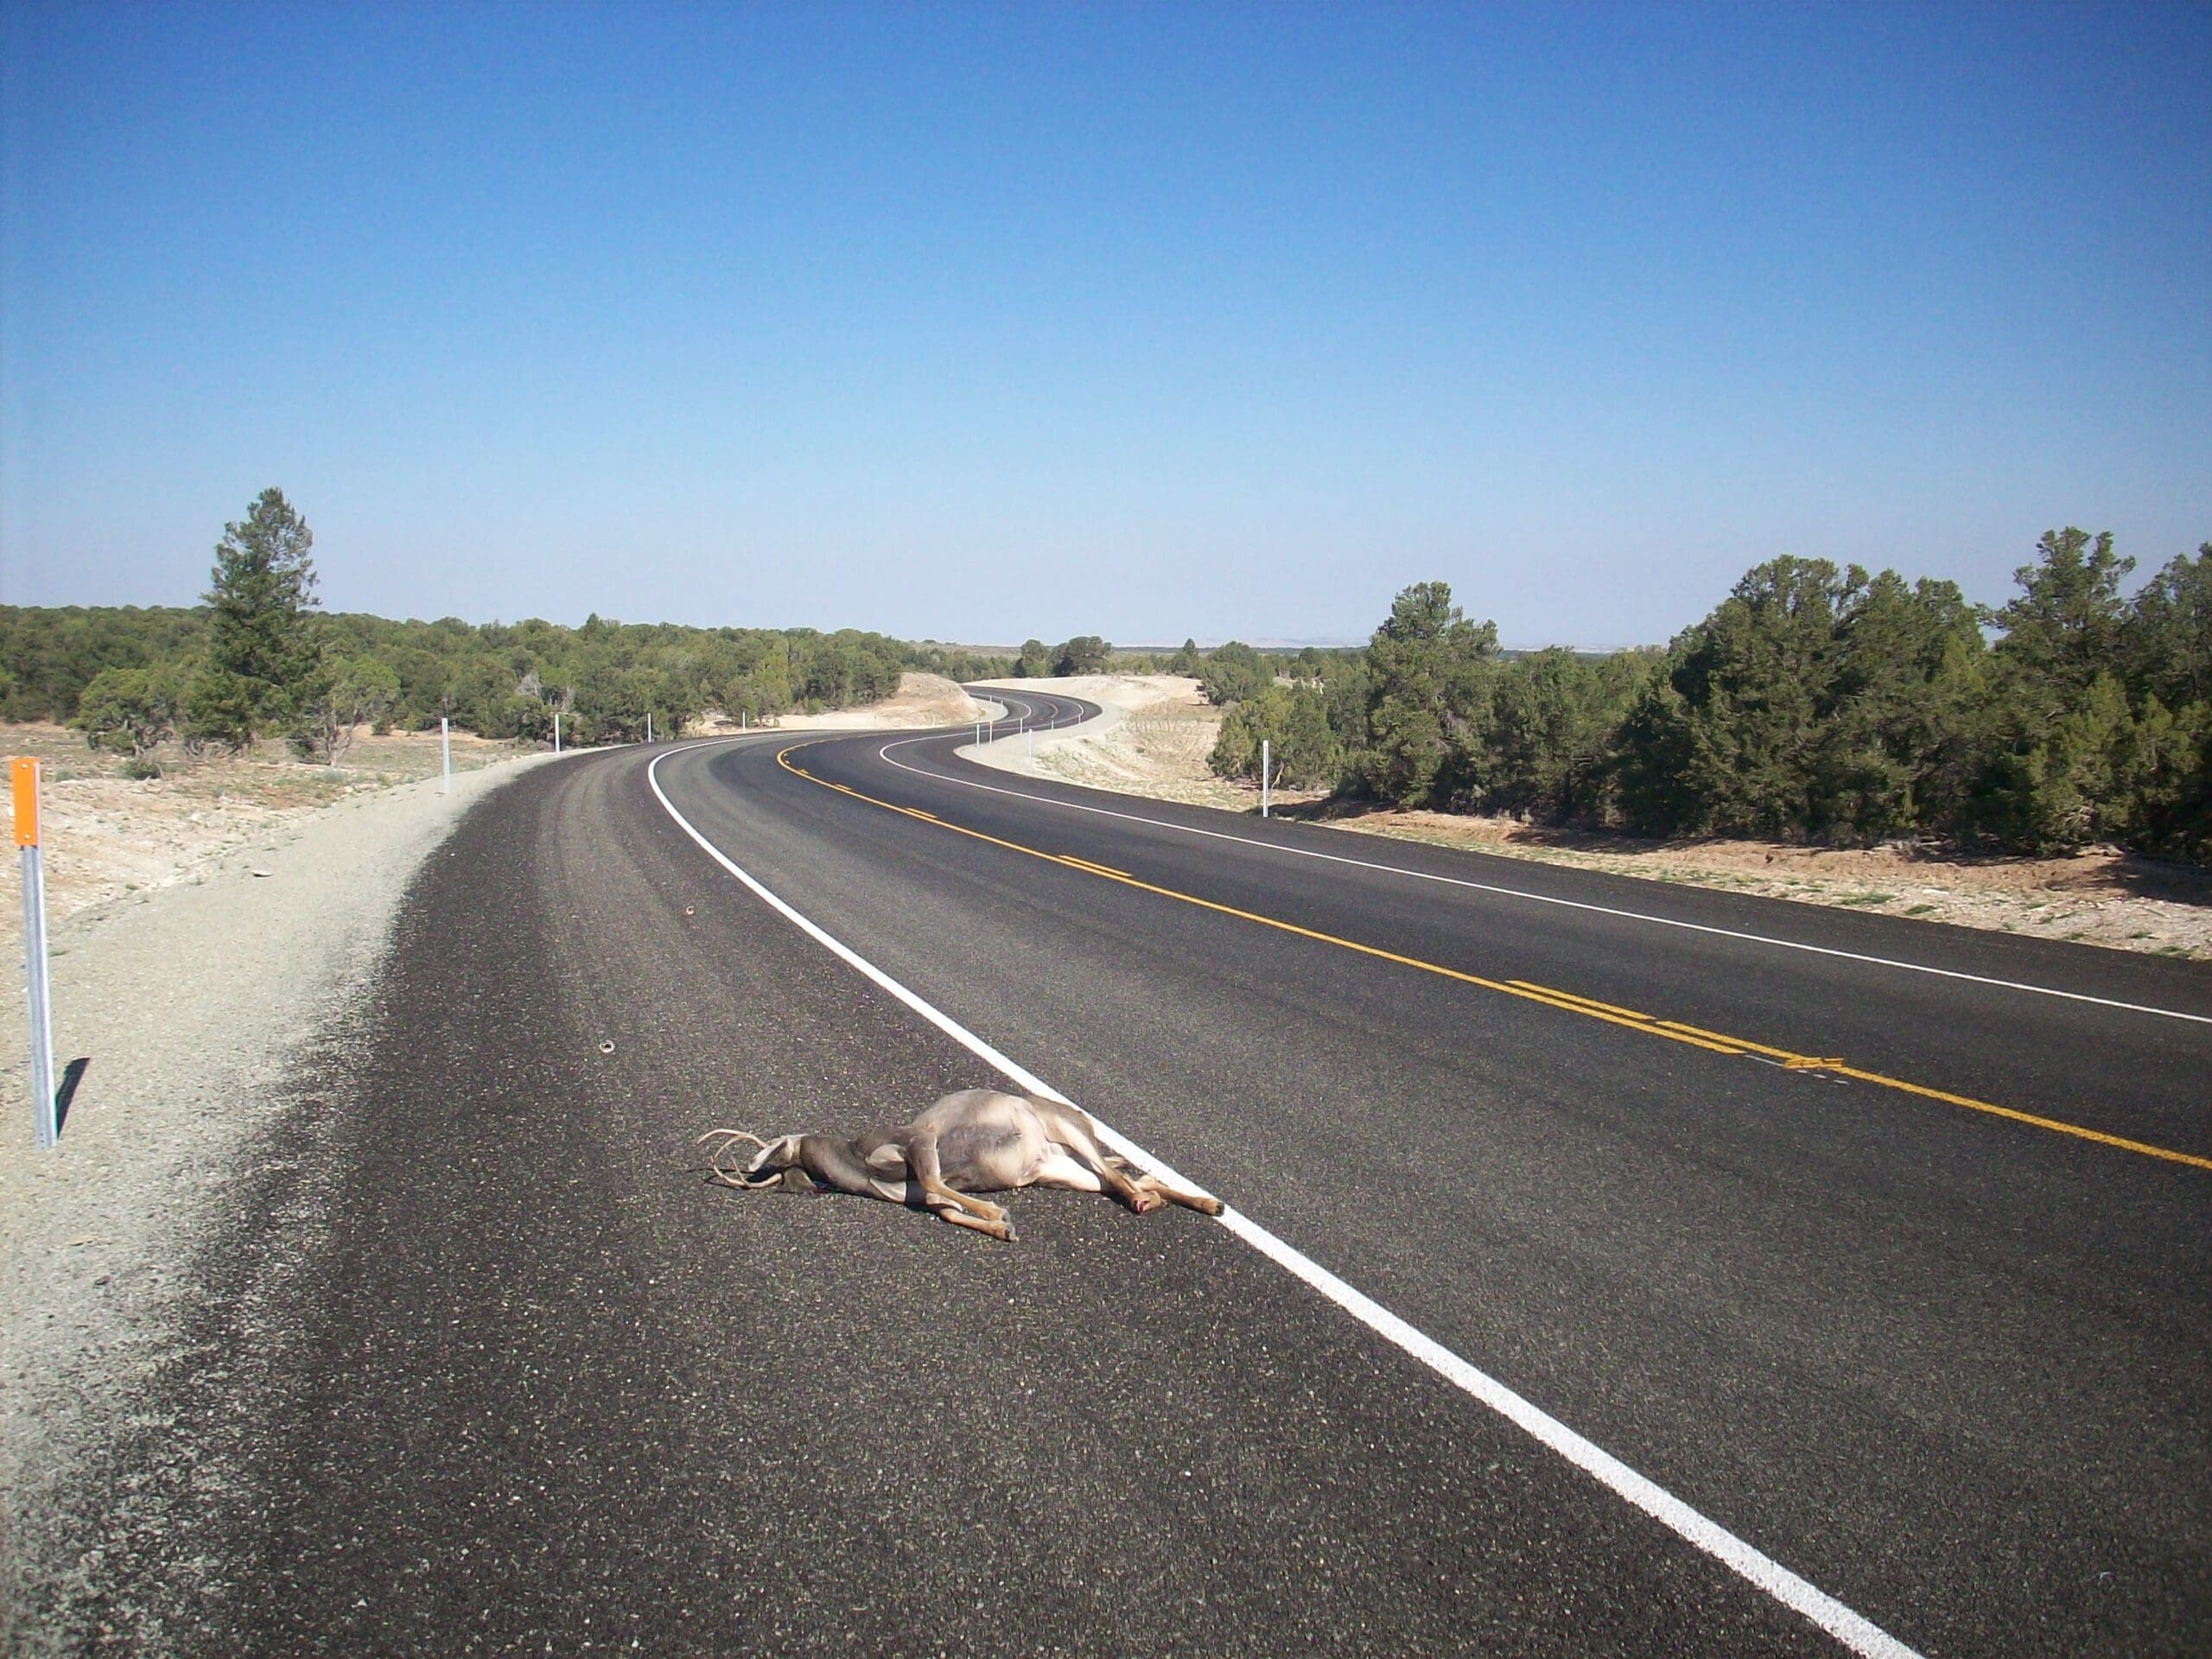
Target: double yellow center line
<point>1566,1001</point>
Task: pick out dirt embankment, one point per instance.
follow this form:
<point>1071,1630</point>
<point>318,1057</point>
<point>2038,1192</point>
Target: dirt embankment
<point>1157,733</point>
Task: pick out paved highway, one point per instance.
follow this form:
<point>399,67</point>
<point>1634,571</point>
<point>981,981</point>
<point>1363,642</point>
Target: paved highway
<point>1711,1274</point>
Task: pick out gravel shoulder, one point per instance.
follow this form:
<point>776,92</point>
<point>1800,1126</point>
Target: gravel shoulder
<point>181,1011</point>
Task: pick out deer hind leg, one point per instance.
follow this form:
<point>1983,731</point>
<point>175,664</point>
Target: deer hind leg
<point>1064,1169</point>
<point>954,1206</point>
<point>1205,1202</point>
<point>1075,1138</point>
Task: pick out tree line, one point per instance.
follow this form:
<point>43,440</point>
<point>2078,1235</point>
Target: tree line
<point>1814,703</point>
<point>260,659</point>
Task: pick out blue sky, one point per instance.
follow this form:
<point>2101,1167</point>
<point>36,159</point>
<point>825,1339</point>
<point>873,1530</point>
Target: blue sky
<point>980,323</point>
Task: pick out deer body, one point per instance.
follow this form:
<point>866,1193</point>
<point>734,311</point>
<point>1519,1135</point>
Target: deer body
<point>976,1140</point>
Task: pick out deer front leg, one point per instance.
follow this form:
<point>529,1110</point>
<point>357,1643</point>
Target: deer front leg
<point>834,1164</point>
<point>1001,1228</point>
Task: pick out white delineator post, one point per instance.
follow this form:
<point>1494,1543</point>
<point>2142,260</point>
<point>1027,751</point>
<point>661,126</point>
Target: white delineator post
<point>1265,762</point>
<point>36,984</point>
<point>556,731</point>
<point>649,725</point>
<point>445,751</point>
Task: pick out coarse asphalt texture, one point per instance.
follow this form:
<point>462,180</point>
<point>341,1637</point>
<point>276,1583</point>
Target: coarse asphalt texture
<point>492,1368</point>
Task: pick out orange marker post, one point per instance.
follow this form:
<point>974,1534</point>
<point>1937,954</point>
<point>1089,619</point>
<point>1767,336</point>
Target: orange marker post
<point>24,777</point>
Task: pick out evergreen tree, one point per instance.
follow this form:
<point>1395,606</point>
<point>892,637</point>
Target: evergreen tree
<point>1234,672</point>
<point>1556,715</point>
<point>2067,625</point>
<point>2058,728</point>
<point>1755,679</point>
<point>1293,720</point>
<point>133,710</point>
<point>1897,737</point>
<point>260,652</point>
<point>2170,634</point>
<point>1429,685</point>
<point>1084,654</point>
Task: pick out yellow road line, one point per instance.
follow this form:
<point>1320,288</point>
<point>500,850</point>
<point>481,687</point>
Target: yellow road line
<point>1609,1008</point>
<point>1566,1001</point>
<point>1973,1105</point>
<point>1092,864</point>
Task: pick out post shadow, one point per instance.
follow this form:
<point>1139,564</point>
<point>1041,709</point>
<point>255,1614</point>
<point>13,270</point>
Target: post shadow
<point>71,1075</point>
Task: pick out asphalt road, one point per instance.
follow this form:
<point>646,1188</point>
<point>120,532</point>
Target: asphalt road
<point>504,1373</point>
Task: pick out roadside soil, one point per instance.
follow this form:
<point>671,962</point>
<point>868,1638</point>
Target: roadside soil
<point>1157,731</point>
<point>108,837</point>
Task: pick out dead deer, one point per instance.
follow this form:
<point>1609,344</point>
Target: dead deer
<point>976,1140</point>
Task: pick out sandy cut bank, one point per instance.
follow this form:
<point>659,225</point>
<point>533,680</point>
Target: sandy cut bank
<point>922,701</point>
<point>1151,737</point>
<point>179,1015</point>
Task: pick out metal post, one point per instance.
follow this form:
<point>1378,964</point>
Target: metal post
<point>445,747</point>
<point>1265,762</point>
<point>36,982</point>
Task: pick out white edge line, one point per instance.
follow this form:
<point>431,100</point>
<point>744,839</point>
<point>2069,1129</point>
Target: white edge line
<point>884,755</point>
<point>1854,1629</point>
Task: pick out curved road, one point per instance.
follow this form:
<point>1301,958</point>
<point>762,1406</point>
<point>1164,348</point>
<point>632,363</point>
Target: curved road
<point>1872,1251</point>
